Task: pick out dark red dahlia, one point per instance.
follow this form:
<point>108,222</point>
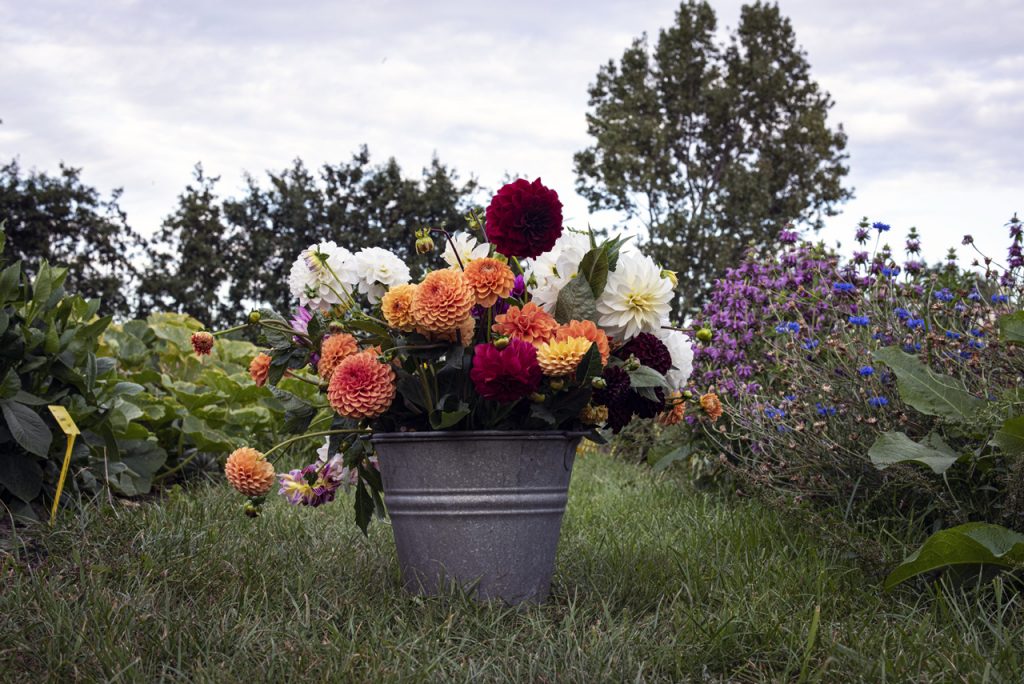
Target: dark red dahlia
<point>505,375</point>
<point>524,219</point>
<point>615,396</point>
<point>648,350</point>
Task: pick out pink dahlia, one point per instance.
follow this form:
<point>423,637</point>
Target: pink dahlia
<point>505,375</point>
<point>524,219</point>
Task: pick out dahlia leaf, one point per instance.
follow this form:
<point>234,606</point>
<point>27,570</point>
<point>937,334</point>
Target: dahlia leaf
<point>644,376</point>
<point>590,366</point>
<point>594,267</point>
<point>576,302</point>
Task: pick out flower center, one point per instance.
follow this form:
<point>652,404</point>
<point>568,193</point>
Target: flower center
<point>640,301</point>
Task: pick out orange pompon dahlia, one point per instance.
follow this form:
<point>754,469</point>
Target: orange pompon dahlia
<point>442,301</point>
<point>676,411</point>
<point>361,386</point>
<point>462,334</point>
<point>259,368</point>
<point>202,343</point>
<point>530,324</point>
<point>332,351</point>
<point>489,279</point>
<point>249,472</point>
<point>559,358</point>
<point>397,307</point>
<point>589,330</point>
<point>711,405</point>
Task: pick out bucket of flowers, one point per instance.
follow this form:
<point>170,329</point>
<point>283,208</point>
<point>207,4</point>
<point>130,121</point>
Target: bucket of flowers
<point>459,400</point>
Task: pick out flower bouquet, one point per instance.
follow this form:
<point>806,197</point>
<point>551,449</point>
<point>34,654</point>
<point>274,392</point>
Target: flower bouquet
<point>533,328</point>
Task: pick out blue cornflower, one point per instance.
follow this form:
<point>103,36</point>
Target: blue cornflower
<point>878,402</point>
<point>952,335</point>
<point>782,329</point>
<point>974,296</point>
<point>825,410</point>
<point>915,323</point>
<point>975,344</point>
<point>901,313</point>
<point>911,348</point>
<point>865,371</point>
<point>890,272</point>
<point>881,227</point>
<point>772,412</point>
<point>810,344</point>
<point>965,354</point>
<point>858,320</point>
<point>793,326</point>
<point>999,299</point>
<point>977,333</point>
<point>844,287</point>
<point>790,397</point>
<point>944,295</point>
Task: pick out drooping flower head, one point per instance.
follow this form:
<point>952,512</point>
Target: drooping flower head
<point>361,386</point>
<point>467,247</point>
<point>594,415</point>
<point>332,351</point>
<point>529,323</point>
<point>249,472</point>
<point>636,299</point>
<point>313,279</point>
<point>649,350</point>
<point>505,375</point>
<point>524,219</point>
<point>490,279</point>
<point>259,369</point>
<point>397,307</point>
<point>559,358</point>
<point>202,343</point>
<point>442,301</point>
<point>588,330</point>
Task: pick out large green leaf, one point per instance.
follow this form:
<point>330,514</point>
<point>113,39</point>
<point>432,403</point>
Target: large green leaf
<point>1011,327</point>
<point>644,376</point>
<point>21,475</point>
<point>594,267</point>
<point>1010,437</point>
<point>931,393</point>
<point>891,448</point>
<point>970,544</point>
<point>576,302</point>
<point>27,428</point>
<point>660,460</point>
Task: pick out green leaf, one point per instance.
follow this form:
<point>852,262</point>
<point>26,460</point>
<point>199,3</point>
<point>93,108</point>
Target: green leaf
<point>891,448</point>
<point>442,420</point>
<point>645,376</point>
<point>298,414</point>
<point>589,367</point>
<point>662,462</point>
<point>931,393</point>
<point>21,475</point>
<point>1011,328</point>
<point>27,428</point>
<point>970,544</point>
<point>10,384</point>
<point>9,279</point>
<point>594,267</point>
<point>1010,437</point>
<point>364,506</point>
<point>576,302</point>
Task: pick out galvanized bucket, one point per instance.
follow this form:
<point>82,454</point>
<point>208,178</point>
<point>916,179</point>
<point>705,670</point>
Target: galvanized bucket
<point>482,510</point>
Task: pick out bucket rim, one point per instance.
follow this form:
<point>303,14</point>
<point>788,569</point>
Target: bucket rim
<point>477,435</point>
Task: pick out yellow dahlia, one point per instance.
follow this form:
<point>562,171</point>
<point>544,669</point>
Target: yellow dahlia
<point>489,279</point>
<point>249,472</point>
<point>530,324</point>
<point>559,358</point>
<point>442,301</point>
<point>590,331</point>
<point>397,307</point>
<point>332,351</point>
<point>259,368</point>
<point>361,386</point>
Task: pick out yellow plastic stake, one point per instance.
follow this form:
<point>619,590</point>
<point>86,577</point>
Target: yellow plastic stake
<point>64,420</point>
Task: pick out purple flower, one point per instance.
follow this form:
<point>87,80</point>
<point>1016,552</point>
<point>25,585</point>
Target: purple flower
<point>862,235</point>
<point>968,240</point>
<point>519,287</point>
<point>300,320</point>
<point>789,237</point>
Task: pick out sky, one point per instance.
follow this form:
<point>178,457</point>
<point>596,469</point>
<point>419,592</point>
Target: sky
<point>931,95</point>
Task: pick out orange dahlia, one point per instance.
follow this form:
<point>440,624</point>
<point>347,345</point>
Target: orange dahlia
<point>332,351</point>
<point>249,472</point>
<point>559,358</point>
<point>711,405</point>
<point>464,333</point>
<point>397,307</point>
<point>442,301</point>
<point>259,368</point>
<point>361,386</point>
<point>202,342</point>
<point>591,332</point>
<point>676,411</point>
<point>489,279</point>
<point>531,324</point>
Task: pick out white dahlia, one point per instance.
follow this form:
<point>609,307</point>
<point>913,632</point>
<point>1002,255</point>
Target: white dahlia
<point>553,270</point>
<point>312,278</point>
<point>467,248</point>
<point>636,299</point>
<point>681,350</point>
<point>372,271</point>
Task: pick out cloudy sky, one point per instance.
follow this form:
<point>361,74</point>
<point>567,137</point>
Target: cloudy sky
<point>136,92</point>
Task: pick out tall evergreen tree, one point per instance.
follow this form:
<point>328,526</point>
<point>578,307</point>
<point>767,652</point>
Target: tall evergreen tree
<point>712,147</point>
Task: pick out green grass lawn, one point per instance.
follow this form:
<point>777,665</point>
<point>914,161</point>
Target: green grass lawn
<point>654,582</point>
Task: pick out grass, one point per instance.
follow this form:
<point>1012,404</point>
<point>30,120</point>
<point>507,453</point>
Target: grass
<point>655,582</point>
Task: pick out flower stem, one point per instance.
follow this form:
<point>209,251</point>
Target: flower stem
<point>322,433</point>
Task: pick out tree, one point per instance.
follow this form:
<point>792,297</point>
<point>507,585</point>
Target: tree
<point>712,147</point>
<point>62,220</point>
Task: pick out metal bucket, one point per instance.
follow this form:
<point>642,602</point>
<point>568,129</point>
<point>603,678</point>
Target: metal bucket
<point>482,510</point>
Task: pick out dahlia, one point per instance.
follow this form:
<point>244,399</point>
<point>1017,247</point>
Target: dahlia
<point>372,271</point>
<point>505,375</point>
<point>649,350</point>
<point>615,396</point>
<point>249,472</point>
<point>332,351</point>
<point>313,485</point>
<point>490,279</point>
<point>553,270</point>
<point>361,386</point>
<point>467,247</point>
<point>590,331</point>
<point>529,323</point>
<point>397,307</point>
<point>594,415</point>
<point>559,358</point>
<point>711,405</point>
<point>636,299</point>
<point>202,343</point>
<point>675,412</point>
<point>259,368</point>
<point>463,333</point>
<point>524,219</point>
<point>442,301</point>
<point>681,351</point>
<point>313,279</point>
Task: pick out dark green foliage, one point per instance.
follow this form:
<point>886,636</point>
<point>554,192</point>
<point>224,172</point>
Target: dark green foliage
<point>61,220</point>
<point>713,147</point>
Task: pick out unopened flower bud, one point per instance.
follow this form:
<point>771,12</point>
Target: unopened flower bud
<point>424,245</point>
<point>558,384</point>
<point>704,335</point>
<point>598,383</point>
<point>537,398</point>
<point>251,509</point>
<point>254,317</point>
<point>632,363</point>
<point>688,394</point>
<point>672,276</point>
<point>335,328</point>
<point>501,343</point>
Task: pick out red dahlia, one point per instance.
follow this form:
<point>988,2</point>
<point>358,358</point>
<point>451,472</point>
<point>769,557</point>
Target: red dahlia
<point>524,219</point>
<point>505,375</point>
<point>648,350</point>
